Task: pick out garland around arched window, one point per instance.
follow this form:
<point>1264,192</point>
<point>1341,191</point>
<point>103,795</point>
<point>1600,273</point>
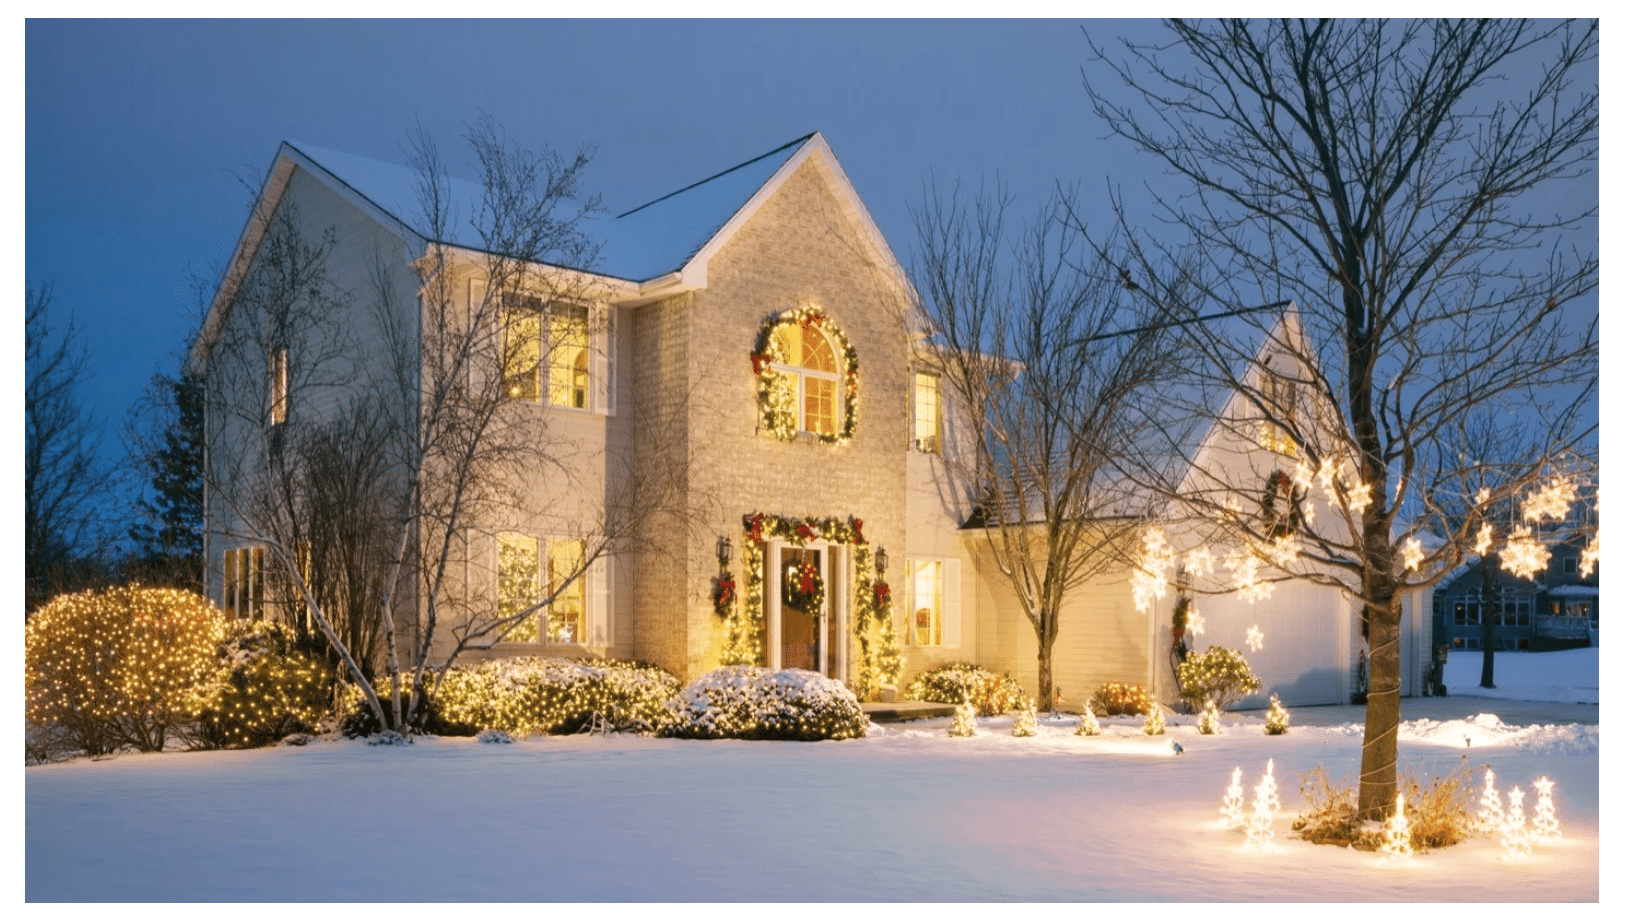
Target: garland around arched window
<point>808,377</point>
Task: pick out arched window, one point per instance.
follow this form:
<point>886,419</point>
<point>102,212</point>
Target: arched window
<point>808,377</point>
<point>804,354</point>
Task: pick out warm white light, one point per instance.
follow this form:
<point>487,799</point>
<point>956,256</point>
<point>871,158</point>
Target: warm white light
<point>1551,501</point>
<point>1302,474</point>
<point>1359,498</point>
<point>1254,638</point>
<point>1591,557</point>
<point>1523,554</point>
<point>1233,813</point>
<point>1411,552</point>
<point>1490,817</point>
<point>1198,562</point>
<point>1149,577</point>
<point>1483,539</point>
<point>1283,552</point>
<point>1242,565</point>
<point>1397,843</point>
<point>1545,827</point>
<point>1516,843</point>
<point>1196,624</point>
<point>1265,804</point>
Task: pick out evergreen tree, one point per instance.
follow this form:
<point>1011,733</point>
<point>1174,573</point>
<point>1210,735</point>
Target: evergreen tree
<point>167,534</point>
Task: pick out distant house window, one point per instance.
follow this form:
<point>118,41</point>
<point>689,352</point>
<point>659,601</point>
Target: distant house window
<point>1466,610</point>
<point>1568,565</point>
<point>279,385</point>
<point>1280,400</point>
<point>528,568</point>
<point>243,582</point>
<point>803,354</point>
<point>926,608</point>
<point>928,414</point>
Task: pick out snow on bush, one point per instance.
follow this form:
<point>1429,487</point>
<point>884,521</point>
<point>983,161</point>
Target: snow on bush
<point>756,703</point>
<point>125,666</point>
<point>1219,675</point>
<point>493,736</point>
<point>1116,699</point>
<point>990,693</point>
<point>530,694</point>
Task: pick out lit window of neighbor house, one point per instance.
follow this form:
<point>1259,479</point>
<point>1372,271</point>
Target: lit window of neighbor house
<point>279,385</point>
<point>1280,400</point>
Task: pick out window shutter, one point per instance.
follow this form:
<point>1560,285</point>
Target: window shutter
<point>951,602</point>
<point>598,611</point>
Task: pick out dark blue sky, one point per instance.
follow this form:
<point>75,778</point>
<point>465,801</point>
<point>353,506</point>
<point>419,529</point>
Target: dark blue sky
<point>139,134</point>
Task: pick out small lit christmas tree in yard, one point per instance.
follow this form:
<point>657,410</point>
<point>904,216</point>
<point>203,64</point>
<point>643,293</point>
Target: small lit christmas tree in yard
<point>1516,843</point>
<point>1155,723</point>
<point>1278,720</point>
<point>1208,724</point>
<point>1490,817</point>
<point>1397,836</point>
<point>965,719</point>
<point>1026,724</point>
<point>1088,724</point>
<point>1233,813</point>
<point>1265,805</point>
<point>1545,827</point>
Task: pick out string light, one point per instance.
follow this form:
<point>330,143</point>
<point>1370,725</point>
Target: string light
<point>1155,723</point>
<point>1278,719</point>
<point>1088,724</point>
<point>1208,724</point>
<point>1026,724</point>
<point>1397,833</point>
<point>1265,804</point>
<point>1490,816</point>
<point>1516,843</point>
<point>1545,826</point>
<point>965,719</point>
<point>1232,815</point>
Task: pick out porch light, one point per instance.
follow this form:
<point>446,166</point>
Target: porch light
<point>880,560</point>
<point>723,551</point>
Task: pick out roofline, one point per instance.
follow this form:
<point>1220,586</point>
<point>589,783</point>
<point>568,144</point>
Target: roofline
<point>748,162</point>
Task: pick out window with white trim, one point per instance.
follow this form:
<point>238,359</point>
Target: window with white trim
<point>928,414</point>
<point>551,340</point>
<point>279,385</point>
<point>804,354</point>
<point>528,568</point>
<point>1280,399</point>
<point>926,602</point>
<point>243,582</point>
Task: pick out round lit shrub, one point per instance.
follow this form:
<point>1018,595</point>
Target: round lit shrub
<point>990,692</point>
<point>756,703</point>
<point>529,694</point>
<point>267,689</point>
<point>1218,675</point>
<point>120,667</point>
<point>1115,699</point>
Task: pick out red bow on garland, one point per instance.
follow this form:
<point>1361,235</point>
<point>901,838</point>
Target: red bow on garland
<point>761,361</point>
<point>755,524</point>
<point>806,533</point>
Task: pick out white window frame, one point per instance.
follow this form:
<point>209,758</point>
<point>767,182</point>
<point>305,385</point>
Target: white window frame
<point>1280,394</point>
<point>920,440</point>
<point>601,370</point>
<point>948,627</point>
<point>592,592</point>
<point>799,374</point>
<point>245,586</point>
<point>279,385</point>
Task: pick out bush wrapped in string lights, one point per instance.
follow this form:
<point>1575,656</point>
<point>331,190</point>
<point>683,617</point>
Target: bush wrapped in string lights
<point>125,666</point>
<point>267,689</point>
<point>1219,676</point>
<point>990,692</point>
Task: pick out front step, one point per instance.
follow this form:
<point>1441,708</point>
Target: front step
<point>882,712</point>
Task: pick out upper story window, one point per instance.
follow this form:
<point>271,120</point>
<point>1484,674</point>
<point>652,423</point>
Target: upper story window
<point>1280,400</point>
<point>808,377</point>
<point>928,414</point>
<point>279,385</point>
<point>549,340</point>
<point>804,355</point>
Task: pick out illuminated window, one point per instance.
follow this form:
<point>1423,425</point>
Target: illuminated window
<point>279,385</point>
<point>243,582</point>
<point>926,618</point>
<point>528,568</point>
<point>1280,399</point>
<point>569,356</point>
<point>928,419</point>
<point>803,354</point>
<point>522,347</point>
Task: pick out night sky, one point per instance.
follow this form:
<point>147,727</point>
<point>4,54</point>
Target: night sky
<point>141,136</point>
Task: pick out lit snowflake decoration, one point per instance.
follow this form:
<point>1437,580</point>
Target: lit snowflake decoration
<point>1231,508</point>
<point>1591,557</point>
<point>1242,567</point>
<point>1309,513</point>
<point>1411,552</point>
<point>1302,474</point>
<point>1327,473</point>
<point>1254,638</point>
<point>1550,501</point>
<point>1196,624</point>
<point>1523,554</point>
<point>1284,551</point>
<point>1149,578</point>
<point>1483,539</point>
<point>1198,562</point>
<point>1359,498</point>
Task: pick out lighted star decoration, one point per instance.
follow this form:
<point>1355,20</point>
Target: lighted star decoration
<point>1523,554</point>
<point>1359,498</point>
<point>1149,577</point>
<point>1327,473</point>
<point>1254,638</point>
<point>1551,501</point>
<point>1411,552</point>
<point>1283,552</point>
<point>1483,539</point>
<point>1302,474</point>
<point>1309,513</point>
<point>1196,624</point>
<point>1242,565</point>
<point>1198,562</point>
<point>1591,557</point>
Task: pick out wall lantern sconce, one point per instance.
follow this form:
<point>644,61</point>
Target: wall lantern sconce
<point>723,551</point>
<point>880,560</point>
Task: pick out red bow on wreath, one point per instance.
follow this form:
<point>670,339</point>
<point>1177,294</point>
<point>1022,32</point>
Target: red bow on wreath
<point>882,594</point>
<point>808,579</point>
<point>728,591</point>
<point>857,529</point>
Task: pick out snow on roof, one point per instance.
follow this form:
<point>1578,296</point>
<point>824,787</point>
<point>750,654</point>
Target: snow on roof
<point>1575,592</point>
<point>643,243</point>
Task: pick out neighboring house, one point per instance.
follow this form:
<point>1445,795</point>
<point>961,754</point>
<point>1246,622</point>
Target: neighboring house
<point>755,323</point>
<point>1558,610</point>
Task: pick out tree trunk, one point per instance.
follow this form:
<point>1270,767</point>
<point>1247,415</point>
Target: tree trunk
<point>1047,690</point>
<point>1491,595</point>
<point>1379,748</point>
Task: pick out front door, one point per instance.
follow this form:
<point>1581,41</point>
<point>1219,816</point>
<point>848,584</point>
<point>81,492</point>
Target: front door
<point>799,630</point>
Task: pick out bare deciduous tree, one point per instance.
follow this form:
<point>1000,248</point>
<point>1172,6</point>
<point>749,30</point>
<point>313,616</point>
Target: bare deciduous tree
<point>1018,334</point>
<point>1388,178</point>
<point>63,477</point>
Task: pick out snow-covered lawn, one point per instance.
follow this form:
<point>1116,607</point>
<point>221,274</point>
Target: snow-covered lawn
<point>906,814</point>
